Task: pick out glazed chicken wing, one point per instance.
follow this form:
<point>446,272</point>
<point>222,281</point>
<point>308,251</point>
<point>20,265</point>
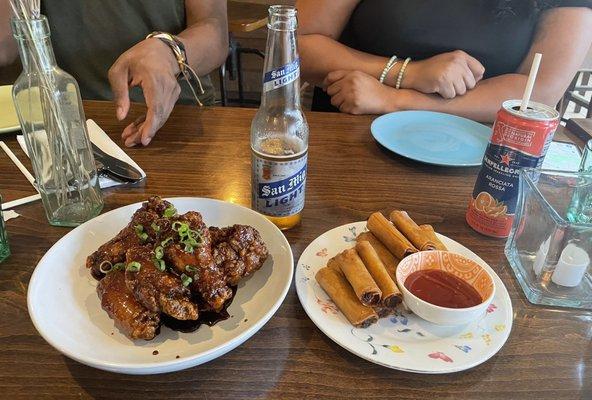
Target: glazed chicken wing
<point>200,254</point>
<point>159,291</point>
<point>135,320</point>
<point>238,250</point>
<point>196,262</point>
<point>140,231</point>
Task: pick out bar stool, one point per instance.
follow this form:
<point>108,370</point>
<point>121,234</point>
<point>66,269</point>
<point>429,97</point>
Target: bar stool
<point>242,18</point>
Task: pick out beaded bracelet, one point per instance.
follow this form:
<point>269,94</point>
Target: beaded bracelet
<point>402,73</point>
<point>389,65</point>
<point>178,50</point>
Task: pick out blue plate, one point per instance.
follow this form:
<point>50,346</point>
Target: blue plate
<point>432,137</point>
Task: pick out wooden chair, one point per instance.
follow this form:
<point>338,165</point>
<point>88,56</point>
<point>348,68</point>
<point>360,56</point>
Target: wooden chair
<point>580,85</point>
<point>243,17</point>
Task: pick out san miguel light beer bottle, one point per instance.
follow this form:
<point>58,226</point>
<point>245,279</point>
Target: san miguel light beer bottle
<point>519,140</point>
<point>279,132</point>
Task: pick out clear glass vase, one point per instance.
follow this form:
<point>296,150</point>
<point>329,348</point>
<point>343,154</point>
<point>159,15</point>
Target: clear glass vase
<point>49,107</point>
<point>550,246</point>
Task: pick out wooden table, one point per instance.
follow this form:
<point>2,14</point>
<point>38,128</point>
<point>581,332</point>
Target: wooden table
<point>205,152</point>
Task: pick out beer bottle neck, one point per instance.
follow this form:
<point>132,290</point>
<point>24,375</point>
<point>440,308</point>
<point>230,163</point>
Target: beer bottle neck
<point>281,83</point>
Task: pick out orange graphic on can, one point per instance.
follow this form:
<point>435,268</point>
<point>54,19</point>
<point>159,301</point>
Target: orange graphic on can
<point>489,216</point>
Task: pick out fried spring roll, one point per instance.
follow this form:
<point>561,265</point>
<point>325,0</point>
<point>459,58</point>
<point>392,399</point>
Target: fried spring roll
<point>411,230</point>
<point>387,258</point>
<point>332,263</point>
<point>429,231</point>
<point>384,311</point>
<point>340,291</point>
<point>386,232</point>
<point>391,295</point>
<point>358,277</point>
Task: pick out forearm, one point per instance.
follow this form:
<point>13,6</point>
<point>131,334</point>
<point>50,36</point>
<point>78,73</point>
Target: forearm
<point>320,55</point>
<point>8,51</point>
<point>206,43</point>
<point>480,104</point>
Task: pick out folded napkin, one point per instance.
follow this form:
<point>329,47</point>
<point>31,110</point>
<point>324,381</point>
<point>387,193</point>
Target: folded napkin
<point>10,214</point>
<point>103,142</point>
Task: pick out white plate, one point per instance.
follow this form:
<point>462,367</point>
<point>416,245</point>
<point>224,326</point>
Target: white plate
<point>8,119</point>
<point>64,306</point>
<point>405,341</point>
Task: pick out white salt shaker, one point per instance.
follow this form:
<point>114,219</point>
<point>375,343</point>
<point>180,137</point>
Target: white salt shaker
<point>571,267</point>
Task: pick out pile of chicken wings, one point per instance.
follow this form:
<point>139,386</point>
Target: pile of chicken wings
<point>166,263</point>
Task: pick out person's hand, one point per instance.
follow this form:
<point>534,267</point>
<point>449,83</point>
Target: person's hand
<point>448,74</point>
<point>151,65</point>
<point>355,92</point>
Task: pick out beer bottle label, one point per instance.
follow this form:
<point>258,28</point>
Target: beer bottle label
<point>279,186</point>
<point>282,76</point>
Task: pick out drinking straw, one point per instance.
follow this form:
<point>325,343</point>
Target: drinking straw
<point>534,69</point>
<point>19,165</point>
<point>19,202</point>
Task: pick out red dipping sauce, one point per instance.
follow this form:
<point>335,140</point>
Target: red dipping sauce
<point>442,288</point>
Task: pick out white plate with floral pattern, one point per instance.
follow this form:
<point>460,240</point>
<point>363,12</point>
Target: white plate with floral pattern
<point>402,341</point>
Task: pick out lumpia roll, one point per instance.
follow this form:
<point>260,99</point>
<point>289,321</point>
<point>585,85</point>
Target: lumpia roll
<point>391,295</point>
<point>386,232</point>
<point>411,230</point>
<point>384,311</point>
<point>340,291</point>
<point>359,278</point>
<point>387,258</point>
<point>332,263</point>
<point>429,231</point>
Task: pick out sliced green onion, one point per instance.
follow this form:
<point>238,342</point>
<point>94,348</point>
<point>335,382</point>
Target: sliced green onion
<point>159,264</point>
<point>189,248</point>
<point>155,227</point>
<point>191,269</point>
<point>196,237</point>
<point>140,232</point>
<point>134,266</point>
<point>183,230</point>
<point>171,211</point>
<point>166,241</point>
<point>106,267</point>
<point>119,266</point>
<point>186,280</point>
<point>176,225</point>
<point>158,252</point>
<point>192,242</point>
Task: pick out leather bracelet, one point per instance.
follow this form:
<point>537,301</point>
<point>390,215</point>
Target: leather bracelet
<point>180,54</point>
<point>169,36</point>
<point>176,46</point>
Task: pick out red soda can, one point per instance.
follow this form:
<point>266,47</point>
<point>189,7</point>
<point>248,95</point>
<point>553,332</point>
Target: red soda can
<point>519,140</point>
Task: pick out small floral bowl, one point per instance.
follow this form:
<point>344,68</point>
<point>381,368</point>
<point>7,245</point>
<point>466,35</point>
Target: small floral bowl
<point>460,266</point>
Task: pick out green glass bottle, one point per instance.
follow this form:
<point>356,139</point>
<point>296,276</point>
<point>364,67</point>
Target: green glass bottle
<point>4,249</point>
